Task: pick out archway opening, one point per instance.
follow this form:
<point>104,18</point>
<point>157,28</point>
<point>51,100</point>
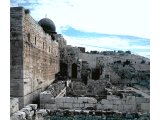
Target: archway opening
<point>74,70</point>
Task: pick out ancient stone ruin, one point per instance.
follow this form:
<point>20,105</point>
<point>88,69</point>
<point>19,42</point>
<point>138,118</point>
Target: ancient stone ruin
<point>50,79</point>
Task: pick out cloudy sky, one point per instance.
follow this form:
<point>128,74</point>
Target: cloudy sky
<point>97,24</point>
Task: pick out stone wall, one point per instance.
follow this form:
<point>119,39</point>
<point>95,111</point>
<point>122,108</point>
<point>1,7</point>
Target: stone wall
<point>127,104</point>
<point>14,105</point>
<point>26,113</point>
<point>93,87</point>
<point>34,57</point>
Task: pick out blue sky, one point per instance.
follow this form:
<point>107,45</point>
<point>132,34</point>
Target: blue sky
<point>97,24</point>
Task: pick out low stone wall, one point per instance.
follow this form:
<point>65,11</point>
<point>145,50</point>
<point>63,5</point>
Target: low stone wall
<point>45,114</point>
<point>127,104</point>
<point>14,105</point>
<point>25,113</point>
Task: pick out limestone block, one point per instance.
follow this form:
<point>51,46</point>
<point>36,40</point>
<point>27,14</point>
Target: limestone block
<point>120,107</point>
<point>34,106</point>
<point>59,105</point>
<point>45,97</point>
<point>104,101</point>
<point>75,99</point>
<point>130,100</point>
<point>91,100</point>
<point>19,115</point>
<point>14,106</point>
<point>123,101</point>
<point>82,99</point>
<point>60,99</point>
<point>81,105</point>
<point>130,108</point>
<point>68,105</point>
<point>116,102</point>
<point>69,99</point>
<point>114,107</point>
<point>28,107</point>
<point>145,107</point>
<point>27,110</point>
<point>75,105</point>
<point>42,112</point>
<point>51,106</point>
<point>142,100</point>
<point>99,106</point>
<point>107,106</point>
<point>88,105</point>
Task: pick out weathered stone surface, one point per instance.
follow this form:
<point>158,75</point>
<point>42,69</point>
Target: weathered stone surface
<point>14,105</point>
<point>68,105</point>
<point>34,57</point>
<point>19,115</point>
<point>145,107</point>
<point>34,106</point>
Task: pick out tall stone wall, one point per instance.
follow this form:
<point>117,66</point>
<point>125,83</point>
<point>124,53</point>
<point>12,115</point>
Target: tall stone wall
<point>16,50</point>
<point>37,54</point>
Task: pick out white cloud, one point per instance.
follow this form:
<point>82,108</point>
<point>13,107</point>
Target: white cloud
<point>105,43</point>
<point>127,17</point>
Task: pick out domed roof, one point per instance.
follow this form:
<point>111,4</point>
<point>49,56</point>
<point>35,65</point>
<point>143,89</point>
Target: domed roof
<point>47,25</point>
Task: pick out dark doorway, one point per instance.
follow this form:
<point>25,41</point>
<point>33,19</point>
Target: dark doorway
<point>64,69</point>
<point>74,70</point>
<point>96,74</point>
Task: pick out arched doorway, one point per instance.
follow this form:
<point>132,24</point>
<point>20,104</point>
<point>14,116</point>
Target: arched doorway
<point>74,70</point>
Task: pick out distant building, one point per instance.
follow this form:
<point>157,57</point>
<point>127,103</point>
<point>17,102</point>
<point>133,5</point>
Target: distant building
<point>82,49</point>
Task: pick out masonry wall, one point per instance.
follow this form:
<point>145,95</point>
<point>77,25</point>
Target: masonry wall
<point>16,50</point>
<point>128,104</point>
<point>37,54</point>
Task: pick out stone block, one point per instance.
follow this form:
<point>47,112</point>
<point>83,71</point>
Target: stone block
<point>59,105</point>
<point>27,110</point>
<point>91,100</point>
<point>116,102</point>
<point>145,107</point>
<point>14,105</point>
<point>75,105</point>
<point>34,106</point>
<point>69,99</point>
<point>60,99</point>
<point>51,106</point>
<point>42,112</point>
<point>75,99</point>
<point>82,100</point>
<point>104,101</point>
<point>107,106</point>
<point>120,107</point>
<point>68,105</point>
<point>142,100</point>
<point>129,108</point>
<point>114,107</point>
<point>81,105</point>
<point>99,106</point>
<point>19,115</point>
<point>45,97</point>
<point>130,100</point>
<point>86,105</point>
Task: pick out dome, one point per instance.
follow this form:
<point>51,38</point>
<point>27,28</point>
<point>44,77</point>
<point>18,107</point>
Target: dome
<point>47,25</point>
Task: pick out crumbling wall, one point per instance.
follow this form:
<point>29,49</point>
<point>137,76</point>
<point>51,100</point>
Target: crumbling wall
<point>124,105</point>
<point>26,113</point>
